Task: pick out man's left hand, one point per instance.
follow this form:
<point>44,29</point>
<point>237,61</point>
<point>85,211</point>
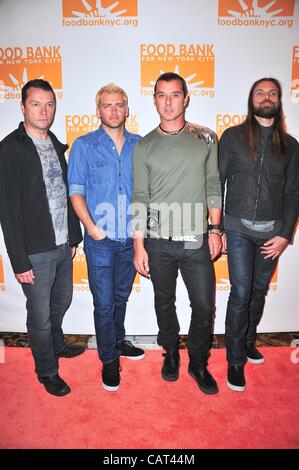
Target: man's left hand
<point>215,245</point>
<point>74,248</point>
<point>274,247</point>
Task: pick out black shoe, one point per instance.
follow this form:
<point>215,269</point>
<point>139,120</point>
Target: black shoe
<point>71,350</point>
<point>236,378</point>
<point>128,350</point>
<point>203,378</point>
<point>111,376</point>
<point>171,365</point>
<point>55,385</point>
<point>253,354</point>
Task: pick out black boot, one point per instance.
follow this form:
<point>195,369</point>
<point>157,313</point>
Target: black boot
<point>202,376</point>
<point>55,385</point>
<point>171,365</point>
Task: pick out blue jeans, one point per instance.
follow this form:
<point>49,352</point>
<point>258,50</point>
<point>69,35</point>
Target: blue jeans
<point>250,275</point>
<point>47,301</point>
<point>111,274</point>
<point>166,258</point>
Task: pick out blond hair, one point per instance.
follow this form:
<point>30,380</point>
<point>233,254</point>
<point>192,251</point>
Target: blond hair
<point>110,88</point>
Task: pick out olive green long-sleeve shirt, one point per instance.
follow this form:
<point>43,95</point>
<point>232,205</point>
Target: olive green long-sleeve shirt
<point>176,181</point>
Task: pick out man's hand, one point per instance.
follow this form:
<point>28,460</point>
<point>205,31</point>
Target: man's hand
<point>74,249</point>
<point>141,261</point>
<point>80,207</point>
<point>215,245</point>
<point>26,278</point>
<point>224,244</point>
<point>96,233</point>
<point>274,247</point>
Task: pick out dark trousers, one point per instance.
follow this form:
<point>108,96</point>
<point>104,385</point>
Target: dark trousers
<point>250,274</point>
<point>47,301</point>
<point>165,260</point>
<point>111,274</point>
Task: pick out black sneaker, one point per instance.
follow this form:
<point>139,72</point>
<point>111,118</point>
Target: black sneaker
<point>236,378</point>
<point>111,376</point>
<point>203,378</point>
<point>171,365</point>
<point>55,385</point>
<point>71,350</point>
<point>128,350</point>
<point>253,355</point>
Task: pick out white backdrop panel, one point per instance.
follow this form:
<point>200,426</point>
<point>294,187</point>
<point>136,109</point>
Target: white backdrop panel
<point>89,56</point>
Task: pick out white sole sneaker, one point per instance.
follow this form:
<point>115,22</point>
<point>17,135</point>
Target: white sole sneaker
<point>134,358</point>
<point>236,388</point>
<point>255,361</point>
<point>108,388</point>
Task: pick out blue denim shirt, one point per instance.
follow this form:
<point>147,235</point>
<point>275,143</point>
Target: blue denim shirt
<point>104,178</point>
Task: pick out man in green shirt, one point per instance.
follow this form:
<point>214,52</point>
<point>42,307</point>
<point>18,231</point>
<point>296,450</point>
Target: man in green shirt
<point>176,188</point>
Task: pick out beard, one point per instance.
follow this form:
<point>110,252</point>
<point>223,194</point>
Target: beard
<point>268,112</point>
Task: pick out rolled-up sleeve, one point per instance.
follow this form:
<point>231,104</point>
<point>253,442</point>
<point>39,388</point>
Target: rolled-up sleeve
<point>77,169</point>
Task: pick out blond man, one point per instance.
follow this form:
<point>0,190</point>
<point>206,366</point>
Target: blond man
<point>100,179</point>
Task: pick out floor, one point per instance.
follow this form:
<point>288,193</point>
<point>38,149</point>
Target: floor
<point>263,339</point>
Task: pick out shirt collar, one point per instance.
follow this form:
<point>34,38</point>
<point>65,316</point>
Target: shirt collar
<point>103,134</point>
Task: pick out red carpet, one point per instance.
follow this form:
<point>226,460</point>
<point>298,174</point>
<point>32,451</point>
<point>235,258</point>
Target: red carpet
<point>148,412</point>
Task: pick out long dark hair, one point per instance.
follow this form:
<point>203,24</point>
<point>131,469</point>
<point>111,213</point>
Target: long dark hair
<point>279,145</point>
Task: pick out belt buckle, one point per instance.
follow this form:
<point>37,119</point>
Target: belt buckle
<point>177,239</point>
<point>180,238</point>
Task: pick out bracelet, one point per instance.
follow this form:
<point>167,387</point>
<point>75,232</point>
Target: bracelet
<point>216,226</point>
<point>216,233</point>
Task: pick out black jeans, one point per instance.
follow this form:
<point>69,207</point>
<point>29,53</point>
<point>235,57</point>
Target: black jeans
<point>47,301</point>
<point>250,274</point>
<point>165,259</point>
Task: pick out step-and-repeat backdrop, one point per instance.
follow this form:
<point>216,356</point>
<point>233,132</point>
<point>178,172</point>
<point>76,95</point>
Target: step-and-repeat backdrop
<point>219,47</point>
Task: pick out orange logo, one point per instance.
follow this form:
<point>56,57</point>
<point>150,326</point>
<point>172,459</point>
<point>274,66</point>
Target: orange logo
<point>224,121</point>
<point>136,284</point>
<point>2,285</point>
<point>295,71</point>
<point>77,125</point>
<point>1,271</point>
<point>132,124</point>
<point>99,13</point>
<point>20,64</point>
<point>80,275</point>
<point>256,13</point>
<point>274,279</point>
<point>222,275</point>
<point>194,62</point>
